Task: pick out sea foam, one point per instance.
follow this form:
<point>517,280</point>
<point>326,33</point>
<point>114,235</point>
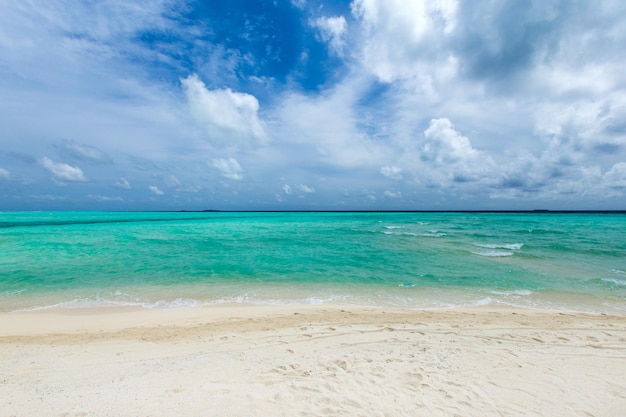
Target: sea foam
<point>510,246</point>
<point>494,254</point>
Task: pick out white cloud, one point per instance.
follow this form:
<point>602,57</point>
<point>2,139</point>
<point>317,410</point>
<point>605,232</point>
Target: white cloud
<point>446,158</point>
<point>325,127</point>
<point>535,90</point>
<point>155,190</point>
<point>61,171</point>
<point>172,181</point>
<point>615,178</point>
<point>84,152</point>
<point>393,172</point>
<point>401,39</point>
<point>104,198</point>
<point>190,188</point>
<point>306,189</point>
<point>392,194</point>
<point>48,197</point>
<point>123,184</point>
<point>228,118</point>
<point>332,30</point>
<point>300,4</point>
<point>444,145</point>
<point>229,168</point>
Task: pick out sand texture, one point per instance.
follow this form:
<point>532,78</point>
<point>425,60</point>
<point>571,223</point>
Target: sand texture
<point>311,361</point>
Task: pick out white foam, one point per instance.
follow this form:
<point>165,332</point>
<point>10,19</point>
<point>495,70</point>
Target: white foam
<point>400,233</point>
<point>509,246</point>
<point>431,233</point>
<point>171,304</point>
<point>510,293</point>
<point>615,281</point>
<point>434,233</point>
<point>494,254</point>
<point>14,292</point>
<point>484,301</point>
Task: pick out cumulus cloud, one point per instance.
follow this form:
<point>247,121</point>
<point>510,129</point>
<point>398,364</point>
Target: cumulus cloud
<point>306,189</point>
<point>456,101</point>
<point>155,190</point>
<point>332,30</point>
<point>123,184</point>
<point>229,168</point>
<point>61,171</point>
<point>403,38</point>
<point>229,118</point>
<point>393,172</point>
<point>444,145</point>
<point>450,156</point>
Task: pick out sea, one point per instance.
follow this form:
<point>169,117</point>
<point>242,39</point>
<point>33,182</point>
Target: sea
<point>416,260</point>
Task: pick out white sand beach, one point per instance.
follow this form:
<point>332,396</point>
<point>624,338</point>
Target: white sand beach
<point>239,360</point>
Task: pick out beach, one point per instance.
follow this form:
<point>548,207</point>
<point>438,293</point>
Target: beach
<point>311,360</point>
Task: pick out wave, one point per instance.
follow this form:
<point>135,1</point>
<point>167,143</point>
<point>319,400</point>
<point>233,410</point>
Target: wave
<point>615,281</point>
<point>509,246</point>
<point>178,303</point>
<point>513,292</point>
<point>494,254</point>
<point>432,233</point>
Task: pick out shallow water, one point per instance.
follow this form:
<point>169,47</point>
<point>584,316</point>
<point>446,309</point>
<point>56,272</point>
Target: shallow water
<point>416,260</point>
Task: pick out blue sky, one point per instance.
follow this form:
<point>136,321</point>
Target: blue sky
<point>301,104</point>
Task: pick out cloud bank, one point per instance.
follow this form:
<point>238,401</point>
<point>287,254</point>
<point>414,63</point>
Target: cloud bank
<point>419,104</point>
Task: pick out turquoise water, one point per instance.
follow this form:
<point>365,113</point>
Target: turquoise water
<point>418,260</point>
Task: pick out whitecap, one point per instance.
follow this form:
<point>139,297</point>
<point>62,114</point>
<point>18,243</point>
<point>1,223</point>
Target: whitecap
<point>434,233</point>
<point>615,281</point>
<point>494,254</point>
<point>400,233</point>
<point>509,246</point>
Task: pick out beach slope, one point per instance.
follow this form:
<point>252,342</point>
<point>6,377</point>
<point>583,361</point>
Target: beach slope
<point>311,361</point>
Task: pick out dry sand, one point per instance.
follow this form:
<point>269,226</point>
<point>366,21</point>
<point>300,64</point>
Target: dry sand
<point>311,361</point>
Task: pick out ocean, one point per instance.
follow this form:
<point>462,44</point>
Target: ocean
<point>164,260</point>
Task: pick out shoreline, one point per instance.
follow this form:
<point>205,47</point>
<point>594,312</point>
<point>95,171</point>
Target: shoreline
<point>313,360</point>
<point>243,295</point>
<point>104,319</point>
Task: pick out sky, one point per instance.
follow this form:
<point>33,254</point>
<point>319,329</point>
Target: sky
<point>312,105</point>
